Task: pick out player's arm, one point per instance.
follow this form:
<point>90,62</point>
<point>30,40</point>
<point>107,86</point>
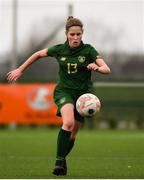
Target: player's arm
<point>100,66</point>
<point>16,73</point>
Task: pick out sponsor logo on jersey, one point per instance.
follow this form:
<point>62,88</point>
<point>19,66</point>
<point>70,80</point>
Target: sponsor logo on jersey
<point>81,59</point>
<point>63,58</point>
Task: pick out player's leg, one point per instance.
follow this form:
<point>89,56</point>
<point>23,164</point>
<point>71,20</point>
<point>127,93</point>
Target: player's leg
<point>65,132</point>
<point>77,126</point>
<point>79,120</point>
<point>75,130</point>
<point>67,112</point>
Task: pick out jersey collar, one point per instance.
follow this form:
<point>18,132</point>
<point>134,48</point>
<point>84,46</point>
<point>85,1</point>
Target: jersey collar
<point>74,50</point>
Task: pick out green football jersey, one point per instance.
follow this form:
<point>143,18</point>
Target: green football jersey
<point>73,72</point>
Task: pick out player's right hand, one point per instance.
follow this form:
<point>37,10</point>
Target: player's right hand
<point>92,67</point>
<point>14,75</point>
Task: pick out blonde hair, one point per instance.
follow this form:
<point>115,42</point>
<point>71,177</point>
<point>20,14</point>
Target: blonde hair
<point>71,21</point>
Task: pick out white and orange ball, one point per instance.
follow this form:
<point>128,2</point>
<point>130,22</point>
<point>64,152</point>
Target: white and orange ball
<point>88,104</point>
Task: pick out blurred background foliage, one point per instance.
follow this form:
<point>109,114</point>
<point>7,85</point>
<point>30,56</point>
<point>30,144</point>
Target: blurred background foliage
<point>121,106</point>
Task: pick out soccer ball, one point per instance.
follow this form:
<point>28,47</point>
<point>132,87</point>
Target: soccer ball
<point>88,104</point>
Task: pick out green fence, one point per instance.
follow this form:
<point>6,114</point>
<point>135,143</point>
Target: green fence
<point>122,105</point>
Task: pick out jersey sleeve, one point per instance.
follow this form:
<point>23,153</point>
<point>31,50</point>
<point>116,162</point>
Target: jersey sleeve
<point>93,54</point>
<point>52,51</point>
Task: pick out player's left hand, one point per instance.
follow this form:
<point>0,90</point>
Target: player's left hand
<point>92,67</point>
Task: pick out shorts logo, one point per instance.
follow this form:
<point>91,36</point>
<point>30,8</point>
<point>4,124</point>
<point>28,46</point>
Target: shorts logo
<point>62,100</point>
<point>63,58</point>
<point>81,59</point>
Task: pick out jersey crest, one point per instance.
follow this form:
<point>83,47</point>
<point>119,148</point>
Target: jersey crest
<point>81,59</point>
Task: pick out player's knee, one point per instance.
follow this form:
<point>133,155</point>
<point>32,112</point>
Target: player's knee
<point>68,125</point>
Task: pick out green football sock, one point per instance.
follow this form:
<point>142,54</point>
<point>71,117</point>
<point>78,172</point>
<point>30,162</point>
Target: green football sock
<point>70,146</point>
<point>62,143</point>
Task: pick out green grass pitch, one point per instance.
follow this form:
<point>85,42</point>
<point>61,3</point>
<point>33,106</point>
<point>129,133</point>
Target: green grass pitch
<point>30,154</point>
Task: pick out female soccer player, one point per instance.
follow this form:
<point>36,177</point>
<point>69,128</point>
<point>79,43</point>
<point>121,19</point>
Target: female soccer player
<point>76,61</point>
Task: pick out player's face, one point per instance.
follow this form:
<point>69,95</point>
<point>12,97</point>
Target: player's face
<point>74,36</point>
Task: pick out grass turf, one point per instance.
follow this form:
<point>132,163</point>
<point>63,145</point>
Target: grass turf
<point>30,154</point>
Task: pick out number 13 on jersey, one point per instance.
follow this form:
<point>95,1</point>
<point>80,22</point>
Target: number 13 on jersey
<point>71,68</point>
